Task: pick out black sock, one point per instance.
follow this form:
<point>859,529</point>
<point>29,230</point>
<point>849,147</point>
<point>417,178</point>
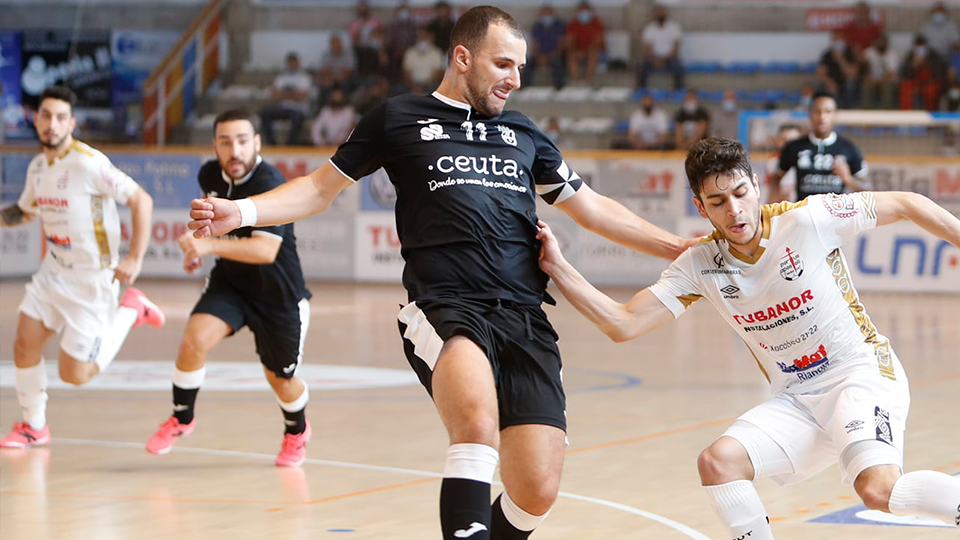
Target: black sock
<point>296,422</point>
<point>464,509</point>
<point>183,400</point>
<point>501,528</point>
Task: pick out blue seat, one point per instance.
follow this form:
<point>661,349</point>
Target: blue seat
<point>660,94</point>
<point>677,95</point>
<point>743,68</point>
<point>809,68</point>
<point>710,95</point>
<point>793,96</point>
<point>638,95</point>
<point>703,66</point>
<point>781,68</point>
<point>621,126</point>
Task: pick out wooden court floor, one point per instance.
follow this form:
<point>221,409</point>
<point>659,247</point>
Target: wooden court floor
<point>639,413</point>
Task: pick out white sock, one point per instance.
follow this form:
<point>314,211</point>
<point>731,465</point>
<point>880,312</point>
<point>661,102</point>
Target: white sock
<point>739,508</point>
<point>928,494</point>
<point>471,461</point>
<point>518,517</point>
<point>297,404</point>
<point>31,386</point>
<point>123,321</point>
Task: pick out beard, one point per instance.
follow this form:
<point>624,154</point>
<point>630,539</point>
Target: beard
<point>756,231</point>
<point>53,144</point>
<point>247,167</point>
<point>481,102</point>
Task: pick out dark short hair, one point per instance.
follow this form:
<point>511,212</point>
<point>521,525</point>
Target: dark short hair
<point>60,92</point>
<point>788,126</point>
<point>713,156</point>
<point>472,26</point>
<point>822,94</point>
<point>235,114</point>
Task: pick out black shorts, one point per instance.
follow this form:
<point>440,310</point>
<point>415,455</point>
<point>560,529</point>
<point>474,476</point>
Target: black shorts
<point>519,341</point>
<point>278,331</point>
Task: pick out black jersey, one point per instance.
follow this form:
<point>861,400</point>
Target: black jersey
<point>814,159</point>
<point>466,206</point>
<point>279,283</point>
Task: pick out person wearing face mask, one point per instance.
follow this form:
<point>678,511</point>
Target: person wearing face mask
<point>366,34</point>
<point>291,93</point>
<point>691,122</point>
<point>839,69</point>
<point>661,49</point>
<point>441,25</point>
<point>422,63</point>
<point>921,77</point>
<point>725,122</point>
<point>649,127</point>
<point>879,76</point>
<point>399,35</point>
<point>335,121</point>
<point>546,47</point>
<point>584,43</point>
<point>940,30</point>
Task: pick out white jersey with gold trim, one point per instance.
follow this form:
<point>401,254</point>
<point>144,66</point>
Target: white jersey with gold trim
<point>75,196</point>
<point>793,302</point>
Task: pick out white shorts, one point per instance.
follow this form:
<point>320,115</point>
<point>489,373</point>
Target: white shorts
<point>78,305</point>
<point>814,429</point>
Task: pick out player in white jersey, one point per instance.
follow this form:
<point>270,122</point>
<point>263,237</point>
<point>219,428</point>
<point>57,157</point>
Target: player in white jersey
<point>778,277</point>
<point>74,190</point>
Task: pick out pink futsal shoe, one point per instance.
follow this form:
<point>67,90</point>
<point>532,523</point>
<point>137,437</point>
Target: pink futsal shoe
<point>163,440</point>
<point>24,436</point>
<point>293,450</point>
<point>147,311</point>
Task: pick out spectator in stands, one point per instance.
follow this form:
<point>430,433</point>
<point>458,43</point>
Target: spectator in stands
<point>940,30</point>
<point>788,183</point>
<point>423,63</point>
<point>661,48</point>
<point>585,33</point>
<point>366,33</point>
<point>335,121</point>
<point>291,93</point>
<point>649,127</point>
<point>878,82</point>
<point>399,35</point>
<point>546,47</point>
<point>691,123</point>
<point>726,122</point>
<point>338,67</point>
<point>441,25</point>
<point>839,70</point>
<point>372,94</point>
<point>806,97</point>
<point>862,31</point>
<point>951,96</point>
<point>921,77</point>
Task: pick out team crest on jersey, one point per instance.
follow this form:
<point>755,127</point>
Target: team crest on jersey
<point>840,206</point>
<point>791,266</point>
<point>433,132</point>
<point>508,135</point>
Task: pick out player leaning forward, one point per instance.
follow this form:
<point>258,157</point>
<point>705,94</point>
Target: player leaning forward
<point>841,393</point>
<point>74,190</point>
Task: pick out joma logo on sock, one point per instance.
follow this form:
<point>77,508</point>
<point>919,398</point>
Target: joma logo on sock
<point>742,537</point>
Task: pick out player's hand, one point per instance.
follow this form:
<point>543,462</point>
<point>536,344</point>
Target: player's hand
<point>127,271</point>
<point>550,253</point>
<point>193,248</point>
<point>191,265</point>
<point>212,216</point>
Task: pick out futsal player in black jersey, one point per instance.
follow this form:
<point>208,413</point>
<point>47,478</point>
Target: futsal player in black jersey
<point>825,161</point>
<point>256,282</point>
<point>467,174</point>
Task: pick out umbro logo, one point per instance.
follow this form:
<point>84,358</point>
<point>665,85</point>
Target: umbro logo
<point>729,291</point>
<point>428,121</point>
<point>853,426</point>
<point>474,528</point>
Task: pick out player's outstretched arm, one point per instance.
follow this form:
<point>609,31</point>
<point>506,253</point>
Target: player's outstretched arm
<point>141,214</point>
<point>613,221</point>
<point>893,206</point>
<point>301,197</point>
<point>621,322</point>
<point>13,215</point>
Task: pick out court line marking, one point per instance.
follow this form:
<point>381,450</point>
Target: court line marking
<point>428,477</point>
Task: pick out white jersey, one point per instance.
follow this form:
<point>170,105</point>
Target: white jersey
<point>793,302</point>
<point>76,198</point>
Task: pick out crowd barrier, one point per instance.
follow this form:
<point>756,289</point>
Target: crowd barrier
<point>356,239</point>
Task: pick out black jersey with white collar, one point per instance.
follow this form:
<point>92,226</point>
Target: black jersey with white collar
<point>466,210</point>
<point>279,283</point>
<point>814,159</point>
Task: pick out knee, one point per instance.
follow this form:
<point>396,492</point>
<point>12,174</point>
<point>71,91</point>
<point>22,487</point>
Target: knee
<point>478,428</point>
<point>192,353</point>
<point>724,461</point>
<point>77,373</point>
<point>539,499</point>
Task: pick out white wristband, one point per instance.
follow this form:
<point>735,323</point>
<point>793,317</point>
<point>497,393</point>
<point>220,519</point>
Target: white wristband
<point>248,212</point>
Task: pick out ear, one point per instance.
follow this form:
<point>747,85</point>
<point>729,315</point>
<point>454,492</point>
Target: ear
<point>461,58</point>
<point>699,204</point>
<point>257,144</point>
<point>756,182</point>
